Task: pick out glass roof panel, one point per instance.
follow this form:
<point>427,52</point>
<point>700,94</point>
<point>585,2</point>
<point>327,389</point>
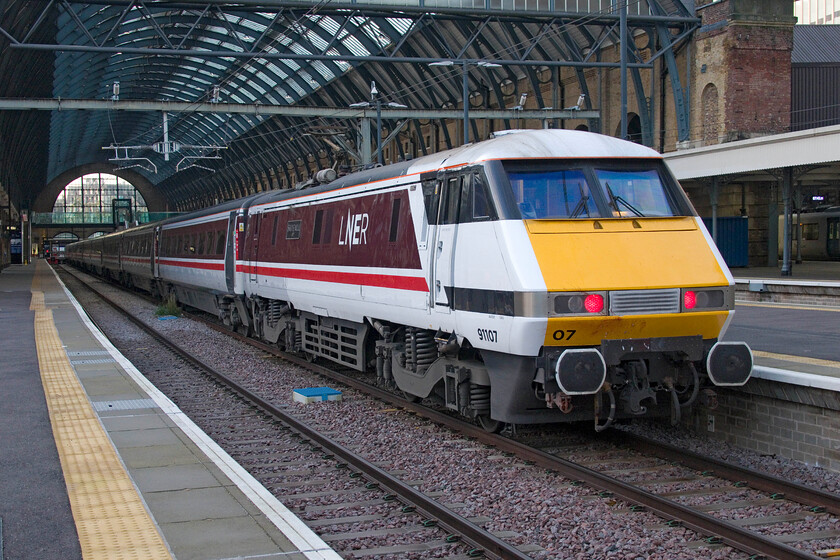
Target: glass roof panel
<point>254,25</point>
<point>354,45</point>
<point>323,69</point>
<point>273,68</point>
<point>327,23</point>
<point>265,78</point>
<point>401,25</point>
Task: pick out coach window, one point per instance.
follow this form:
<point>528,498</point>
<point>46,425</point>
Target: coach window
<point>293,229</point>
<point>395,220</point>
<point>220,243</point>
<point>316,227</point>
<point>200,248</point>
<point>274,229</point>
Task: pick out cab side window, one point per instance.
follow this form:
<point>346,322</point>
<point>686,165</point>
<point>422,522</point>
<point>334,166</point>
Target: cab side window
<point>476,205</point>
<point>482,204</point>
<point>451,201</point>
<point>431,199</point>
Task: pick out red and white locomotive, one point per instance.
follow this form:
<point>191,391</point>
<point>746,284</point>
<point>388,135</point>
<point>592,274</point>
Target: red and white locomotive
<point>536,277</point>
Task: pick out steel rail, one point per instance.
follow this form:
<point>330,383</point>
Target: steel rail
<point>730,534</point>
<point>471,533</point>
<point>796,492</point>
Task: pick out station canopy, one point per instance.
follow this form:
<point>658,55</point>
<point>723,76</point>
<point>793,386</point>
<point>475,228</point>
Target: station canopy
<point>183,58</point>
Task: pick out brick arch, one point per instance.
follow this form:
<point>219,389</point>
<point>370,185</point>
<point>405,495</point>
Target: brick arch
<point>710,106</point>
<point>155,201</point>
<point>66,234</point>
<point>634,128</point>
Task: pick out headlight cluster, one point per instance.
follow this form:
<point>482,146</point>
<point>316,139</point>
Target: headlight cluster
<point>703,299</point>
<point>580,303</point>
<point>640,302</point>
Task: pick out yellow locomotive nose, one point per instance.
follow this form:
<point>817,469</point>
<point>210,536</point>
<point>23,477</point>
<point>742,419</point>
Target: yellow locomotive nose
<point>636,278</point>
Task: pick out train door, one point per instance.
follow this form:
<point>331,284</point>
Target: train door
<point>230,256</point>
<point>156,254</point>
<point>254,221</point>
<point>832,238</point>
<point>445,237</point>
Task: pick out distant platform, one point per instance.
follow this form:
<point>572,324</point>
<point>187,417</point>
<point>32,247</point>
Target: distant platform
<point>819,271</point>
<point>810,283</point>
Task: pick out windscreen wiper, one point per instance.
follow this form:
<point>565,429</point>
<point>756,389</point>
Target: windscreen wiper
<point>614,200</point>
<point>582,205</point>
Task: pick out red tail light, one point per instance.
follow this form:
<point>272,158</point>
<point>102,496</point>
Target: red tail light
<point>689,299</point>
<point>594,303</point>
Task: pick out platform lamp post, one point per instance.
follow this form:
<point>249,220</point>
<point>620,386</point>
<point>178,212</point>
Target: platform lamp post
<point>465,87</point>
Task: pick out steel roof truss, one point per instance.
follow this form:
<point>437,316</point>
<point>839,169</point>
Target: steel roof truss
<point>153,22</point>
<point>416,24</point>
<point>79,23</point>
<point>189,33</point>
<point>38,22</point>
<point>223,18</point>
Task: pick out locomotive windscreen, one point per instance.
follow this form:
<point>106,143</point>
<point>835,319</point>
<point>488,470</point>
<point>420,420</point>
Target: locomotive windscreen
<point>552,190</point>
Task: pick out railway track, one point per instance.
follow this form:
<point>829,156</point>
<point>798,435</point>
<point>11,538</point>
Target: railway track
<point>253,429</point>
<point>613,484</point>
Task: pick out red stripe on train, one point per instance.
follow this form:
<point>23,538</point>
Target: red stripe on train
<point>410,283</point>
<point>192,264</point>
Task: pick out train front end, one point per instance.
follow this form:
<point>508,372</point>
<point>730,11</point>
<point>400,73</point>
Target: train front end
<point>637,296</point>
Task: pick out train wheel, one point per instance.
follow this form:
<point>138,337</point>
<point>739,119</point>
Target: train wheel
<point>411,398</point>
<point>490,425</point>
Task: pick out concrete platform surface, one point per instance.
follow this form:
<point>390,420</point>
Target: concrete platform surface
<point>202,504</point>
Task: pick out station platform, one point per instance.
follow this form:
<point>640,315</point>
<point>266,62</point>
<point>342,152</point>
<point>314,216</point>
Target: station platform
<point>806,306</point>
<point>96,463</point>
<point>820,271</point>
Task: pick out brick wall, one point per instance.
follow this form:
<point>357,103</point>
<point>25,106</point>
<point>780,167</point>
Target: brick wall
<point>743,52</point>
<point>758,100</point>
<point>799,423</point>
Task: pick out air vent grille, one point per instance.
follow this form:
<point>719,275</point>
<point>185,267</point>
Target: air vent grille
<point>645,302</point>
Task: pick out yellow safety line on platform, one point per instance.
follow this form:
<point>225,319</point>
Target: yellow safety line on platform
<point>798,359</point>
<point>111,519</point>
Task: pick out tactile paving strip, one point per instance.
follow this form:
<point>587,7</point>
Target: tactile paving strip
<point>111,519</point>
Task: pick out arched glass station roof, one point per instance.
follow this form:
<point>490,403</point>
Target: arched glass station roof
<point>273,54</point>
